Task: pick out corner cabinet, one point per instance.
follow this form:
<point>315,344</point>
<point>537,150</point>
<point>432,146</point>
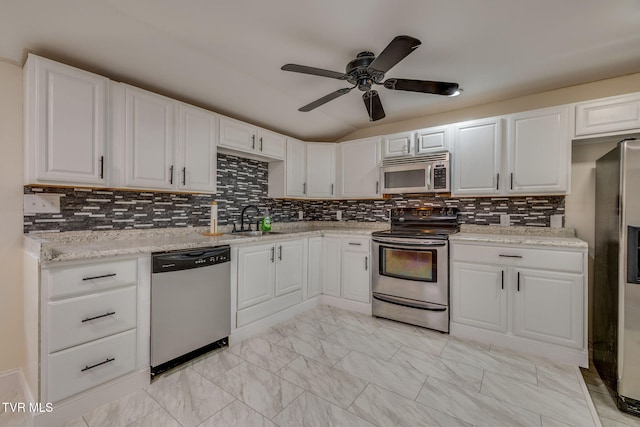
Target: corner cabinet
<point>65,124</point>
<point>477,157</point>
<point>359,168</point>
<point>521,297</point>
<point>197,158</point>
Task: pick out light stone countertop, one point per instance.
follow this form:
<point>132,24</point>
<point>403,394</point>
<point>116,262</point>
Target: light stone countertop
<point>82,245</point>
<point>529,236</point>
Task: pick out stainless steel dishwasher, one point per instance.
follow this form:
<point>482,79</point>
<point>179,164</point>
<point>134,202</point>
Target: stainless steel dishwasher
<point>190,305</point>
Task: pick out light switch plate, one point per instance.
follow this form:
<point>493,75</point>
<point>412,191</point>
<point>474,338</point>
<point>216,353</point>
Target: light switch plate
<point>300,215</point>
<point>556,221</point>
<point>41,203</point>
<point>339,215</point>
<point>505,220</point>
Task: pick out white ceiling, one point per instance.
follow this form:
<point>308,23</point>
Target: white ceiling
<point>226,54</point>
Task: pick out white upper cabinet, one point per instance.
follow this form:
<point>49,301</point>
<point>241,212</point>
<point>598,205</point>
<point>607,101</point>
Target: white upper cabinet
<point>321,167</point>
<point>359,168</point>
<point>197,159</point>
<point>433,139</point>
<point>609,115</point>
<point>149,140</point>
<point>398,144</point>
<point>538,152</point>
<point>477,157</point>
<point>296,168</point>
<point>246,138</point>
<point>66,110</point>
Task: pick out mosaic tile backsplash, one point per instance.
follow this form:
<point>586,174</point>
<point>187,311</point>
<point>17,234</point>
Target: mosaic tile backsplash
<point>242,182</point>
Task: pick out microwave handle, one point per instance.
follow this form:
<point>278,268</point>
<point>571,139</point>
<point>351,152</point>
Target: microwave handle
<point>429,180</point>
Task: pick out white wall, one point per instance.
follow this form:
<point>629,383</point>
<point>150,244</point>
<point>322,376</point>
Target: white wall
<point>11,331</point>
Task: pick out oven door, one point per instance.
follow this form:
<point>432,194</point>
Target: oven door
<point>412,269</point>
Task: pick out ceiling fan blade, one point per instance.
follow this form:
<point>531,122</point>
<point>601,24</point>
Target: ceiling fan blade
<point>314,71</point>
<point>425,86</point>
<point>396,51</point>
<point>373,104</point>
<point>318,102</point>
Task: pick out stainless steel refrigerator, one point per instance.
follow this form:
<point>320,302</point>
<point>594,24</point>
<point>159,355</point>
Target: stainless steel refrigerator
<point>616,296</point>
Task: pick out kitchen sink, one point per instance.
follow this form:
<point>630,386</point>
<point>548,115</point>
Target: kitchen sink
<point>255,233</point>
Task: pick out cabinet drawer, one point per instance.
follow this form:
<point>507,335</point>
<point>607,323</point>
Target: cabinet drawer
<point>547,259</point>
<point>65,281</point>
<point>80,368</point>
<point>356,244</point>
<point>90,317</point>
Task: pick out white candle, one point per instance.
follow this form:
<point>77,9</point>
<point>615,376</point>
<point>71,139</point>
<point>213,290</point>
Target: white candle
<point>213,227</point>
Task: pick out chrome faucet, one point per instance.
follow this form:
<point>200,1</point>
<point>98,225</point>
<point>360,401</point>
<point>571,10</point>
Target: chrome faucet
<point>242,216</point>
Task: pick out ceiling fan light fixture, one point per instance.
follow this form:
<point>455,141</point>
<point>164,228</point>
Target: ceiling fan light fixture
<point>456,93</point>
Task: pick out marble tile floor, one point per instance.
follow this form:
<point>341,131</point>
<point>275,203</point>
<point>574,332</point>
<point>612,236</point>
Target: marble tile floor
<point>330,367</point>
<point>609,414</point>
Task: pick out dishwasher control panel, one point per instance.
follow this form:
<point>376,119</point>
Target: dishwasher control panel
<point>192,258</point>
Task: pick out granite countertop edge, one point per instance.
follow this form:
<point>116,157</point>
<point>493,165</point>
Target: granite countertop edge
<point>527,240</point>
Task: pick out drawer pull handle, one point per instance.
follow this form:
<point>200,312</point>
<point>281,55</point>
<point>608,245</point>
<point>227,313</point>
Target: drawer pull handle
<point>510,256</point>
<point>355,244</point>
<point>100,277</point>
<point>86,368</point>
<point>89,319</point>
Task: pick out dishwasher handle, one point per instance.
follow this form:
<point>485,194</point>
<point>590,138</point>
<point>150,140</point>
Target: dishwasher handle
<point>184,260</point>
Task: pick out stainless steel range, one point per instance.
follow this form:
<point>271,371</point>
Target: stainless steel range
<point>411,267</point>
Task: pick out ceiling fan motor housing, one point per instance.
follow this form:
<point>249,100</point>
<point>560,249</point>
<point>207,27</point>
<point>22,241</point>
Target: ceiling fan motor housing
<point>359,74</point>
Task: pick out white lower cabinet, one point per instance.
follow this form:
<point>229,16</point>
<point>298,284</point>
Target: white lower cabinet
<point>270,278</point>
<point>93,335</point>
<point>347,268</point>
<point>528,298</point>
<point>315,270</point>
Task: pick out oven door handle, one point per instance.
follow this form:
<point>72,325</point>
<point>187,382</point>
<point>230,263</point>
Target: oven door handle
<point>405,243</point>
<point>409,303</point>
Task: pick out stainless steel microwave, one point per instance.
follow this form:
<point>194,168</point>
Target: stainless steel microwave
<point>428,173</point>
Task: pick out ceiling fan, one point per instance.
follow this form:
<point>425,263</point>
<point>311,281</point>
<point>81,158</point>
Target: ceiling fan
<point>367,70</point>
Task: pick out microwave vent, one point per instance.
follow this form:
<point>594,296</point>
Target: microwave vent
<point>425,158</point>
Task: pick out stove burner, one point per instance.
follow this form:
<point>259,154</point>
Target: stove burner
<point>434,223</point>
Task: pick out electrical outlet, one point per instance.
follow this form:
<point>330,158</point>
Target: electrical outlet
<point>339,215</point>
<point>556,221</point>
<point>300,215</point>
<point>41,203</point>
<point>505,220</point>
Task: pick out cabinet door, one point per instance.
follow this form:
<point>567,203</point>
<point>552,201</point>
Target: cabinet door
<point>479,295</point>
<point>359,168</point>
<point>314,275</point>
<point>398,144</point>
<point>608,115</point>
<point>549,306</point>
<point>538,152</point>
<point>289,266</point>
<point>66,114</point>
<point>476,157</point>
<point>296,170</point>
<point>331,266</point>
<point>237,135</point>
<point>321,170</point>
<point>149,140</point>
<point>271,144</point>
<point>197,136</point>
<point>256,275</point>
<point>356,275</point>
<point>433,139</point>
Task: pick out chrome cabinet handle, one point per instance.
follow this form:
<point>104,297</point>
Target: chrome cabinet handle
<point>502,279</point>
<point>101,167</point>
<point>260,143</point>
<point>355,244</point>
<point>109,360</point>
<point>304,188</point>
<point>510,256</point>
<point>184,176</point>
<point>89,319</point>
<point>280,252</point>
<point>518,281</point>
<point>512,180</point>
<point>377,187</point>
<point>366,263</point>
<point>497,181</point>
<point>99,277</point>
<point>332,189</point>
<point>253,142</point>
<point>171,175</point>
<point>273,251</point>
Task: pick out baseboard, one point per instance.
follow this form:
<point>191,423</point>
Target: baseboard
<point>75,407</point>
<point>9,381</point>
<point>240,334</point>
<point>346,304</point>
<point>549,351</point>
